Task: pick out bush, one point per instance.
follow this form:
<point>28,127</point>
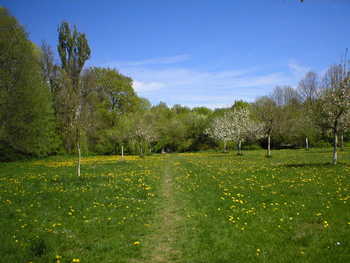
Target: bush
<point>322,144</point>
<point>9,154</point>
<point>252,147</point>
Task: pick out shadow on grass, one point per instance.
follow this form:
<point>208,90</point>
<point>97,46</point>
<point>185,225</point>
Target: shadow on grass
<point>221,155</point>
<point>316,165</point>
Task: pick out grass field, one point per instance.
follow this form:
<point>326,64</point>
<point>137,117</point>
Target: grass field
<point>191,207</point>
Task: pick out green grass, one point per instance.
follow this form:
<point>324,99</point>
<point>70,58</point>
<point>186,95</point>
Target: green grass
<point>48,211</point>
<point>293,207</point>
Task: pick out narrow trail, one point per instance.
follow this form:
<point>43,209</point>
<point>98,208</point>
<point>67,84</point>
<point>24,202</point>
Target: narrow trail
<point>160,247</point>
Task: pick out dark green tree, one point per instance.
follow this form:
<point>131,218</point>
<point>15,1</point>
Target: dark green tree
<point>25,105</point>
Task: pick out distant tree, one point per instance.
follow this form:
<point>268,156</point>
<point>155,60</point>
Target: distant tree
<point>26,115</point>
<point>284,95</point>
<point>239,104</point>
<point>308,88</point>
<point>265,111</point>
<point>202,110</point>
<point>73,50</point>
<point>144,132</point>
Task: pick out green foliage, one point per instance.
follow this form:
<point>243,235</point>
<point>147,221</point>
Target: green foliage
<point>26,107</point>
<point>252,146</point>
<point>47,108</point>
<point>322,144</point>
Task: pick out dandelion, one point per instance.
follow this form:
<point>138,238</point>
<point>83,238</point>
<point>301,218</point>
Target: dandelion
<point>76,260</point>
<point>325,224</point>
<point>136,243</point>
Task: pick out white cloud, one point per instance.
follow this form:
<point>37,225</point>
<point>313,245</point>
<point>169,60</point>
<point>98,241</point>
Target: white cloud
<point>202,88</point>
<point>140,86</point>
<point>191,87</point>
<point>152,61</point>
<point>298,70</point>
<point>177,78</point>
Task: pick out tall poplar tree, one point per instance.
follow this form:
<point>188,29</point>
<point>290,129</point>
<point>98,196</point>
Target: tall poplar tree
<point>74,50</point>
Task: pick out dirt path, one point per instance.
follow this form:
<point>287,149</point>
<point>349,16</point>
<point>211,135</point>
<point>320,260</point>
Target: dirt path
<point>160,246</point>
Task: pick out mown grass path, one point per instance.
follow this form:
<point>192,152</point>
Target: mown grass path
<point>160,246</point>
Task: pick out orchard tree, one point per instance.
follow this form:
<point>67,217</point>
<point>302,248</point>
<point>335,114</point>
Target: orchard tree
<point>266,111</point>
<point>244,127</point>
<point>221,129</point>
<point>333,106</point>
<point>73,50</point>
<point>344,126</point>
<point>240,120</point>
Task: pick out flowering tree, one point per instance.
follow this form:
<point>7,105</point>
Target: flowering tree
<point>240,120</point>
<point>334,104</point>
<point>243,127</point>
<point>144,132</point>
<point>236,126</point>
<point>344,126</point>
<point>221,129</point>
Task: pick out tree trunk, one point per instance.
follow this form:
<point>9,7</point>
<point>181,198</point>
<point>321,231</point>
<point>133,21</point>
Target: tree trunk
<point>335,142</point>
<point>342,141</point>
<point>269,146</point>
<point>122,151</point>
<point>307,143</point>
<point>78,165</point>
<point>239,147</point>
<point>141,150</point>
<point>224,146</point>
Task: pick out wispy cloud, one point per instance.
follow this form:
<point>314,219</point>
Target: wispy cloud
<point>151,61</point>
<point>187,86</point>
<point>141,86</point>
<point>297,69</point>
<point>203,88</point>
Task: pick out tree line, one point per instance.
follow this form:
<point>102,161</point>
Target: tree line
<point>49,108</point>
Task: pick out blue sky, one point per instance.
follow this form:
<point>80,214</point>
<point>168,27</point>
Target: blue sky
<point>199,53</point>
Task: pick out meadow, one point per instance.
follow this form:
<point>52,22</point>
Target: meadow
<point>189,207</point>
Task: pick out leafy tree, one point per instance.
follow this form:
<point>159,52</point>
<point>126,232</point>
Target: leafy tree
<point>73,50</point>
<point>108,98</point>
<point>265,111</point>
<point>333,106</point>
<point>25,105</point>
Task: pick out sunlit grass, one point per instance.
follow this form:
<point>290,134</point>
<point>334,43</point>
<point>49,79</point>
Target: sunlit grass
<point>293,207</point>
<point>50,215</point>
